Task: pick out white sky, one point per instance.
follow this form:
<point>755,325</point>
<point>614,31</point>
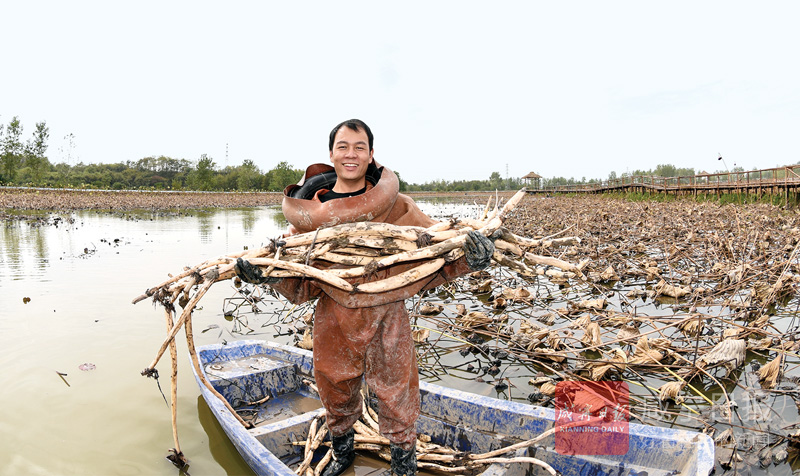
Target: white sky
<point>452,89</point>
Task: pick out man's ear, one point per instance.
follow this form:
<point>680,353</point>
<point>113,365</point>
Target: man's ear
<point>371,156</point>
<point>331,153</point>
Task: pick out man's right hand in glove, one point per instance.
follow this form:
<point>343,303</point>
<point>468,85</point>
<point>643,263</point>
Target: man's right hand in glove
<point>251,274</point>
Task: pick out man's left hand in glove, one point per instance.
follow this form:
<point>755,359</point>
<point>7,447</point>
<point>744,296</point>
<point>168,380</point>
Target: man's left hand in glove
<point>478,250</point>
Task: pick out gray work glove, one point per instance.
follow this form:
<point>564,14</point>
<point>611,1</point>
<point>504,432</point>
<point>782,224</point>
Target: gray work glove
<point>251,274</point>
<point>478,250</point>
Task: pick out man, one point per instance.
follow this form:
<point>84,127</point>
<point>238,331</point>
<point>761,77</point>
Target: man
<point>363,336</point>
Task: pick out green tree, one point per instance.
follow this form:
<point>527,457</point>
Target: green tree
<point>11,158</point>
<point>35,151</point>
<point>496,181</point>
<point>282,175</point>
<point>666,170</point>
<point>248,175</point>
<point>403,183</point>
<point>203,176</point>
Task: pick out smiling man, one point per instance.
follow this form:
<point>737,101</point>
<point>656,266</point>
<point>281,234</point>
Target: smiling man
<point>357,336</point>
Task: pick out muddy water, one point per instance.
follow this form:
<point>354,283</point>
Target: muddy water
<point>66,294</point>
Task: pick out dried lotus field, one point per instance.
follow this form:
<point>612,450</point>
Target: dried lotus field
<point>694,305</point>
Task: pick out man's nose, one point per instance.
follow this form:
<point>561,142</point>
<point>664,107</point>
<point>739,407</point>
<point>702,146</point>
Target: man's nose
<point>351,152</point>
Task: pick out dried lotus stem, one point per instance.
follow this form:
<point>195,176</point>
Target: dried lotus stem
<point>173,354</point>
<point>402,279</point>
<point>309,271</point>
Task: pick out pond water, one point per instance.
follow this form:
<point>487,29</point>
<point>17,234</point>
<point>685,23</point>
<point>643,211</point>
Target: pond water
<point>66,293</point>
<point>73,345</point>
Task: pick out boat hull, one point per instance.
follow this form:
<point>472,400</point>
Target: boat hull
<point>247,371</point>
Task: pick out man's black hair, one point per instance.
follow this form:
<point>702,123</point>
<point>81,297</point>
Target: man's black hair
<point>352,124</point>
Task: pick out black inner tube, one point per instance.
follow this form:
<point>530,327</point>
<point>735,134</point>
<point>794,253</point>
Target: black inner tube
<point>326,180</point>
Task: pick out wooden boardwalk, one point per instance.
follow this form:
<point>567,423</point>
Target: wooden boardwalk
<point>775,181</point>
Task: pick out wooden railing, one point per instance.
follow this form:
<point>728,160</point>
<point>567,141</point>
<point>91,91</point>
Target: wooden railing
<point>785,177</point>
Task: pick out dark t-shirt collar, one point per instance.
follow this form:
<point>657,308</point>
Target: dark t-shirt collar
<point>331,195</point>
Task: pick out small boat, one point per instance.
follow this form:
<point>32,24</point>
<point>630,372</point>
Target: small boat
<point>264,381</point>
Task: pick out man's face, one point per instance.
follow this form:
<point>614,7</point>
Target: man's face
<point>350,156</point>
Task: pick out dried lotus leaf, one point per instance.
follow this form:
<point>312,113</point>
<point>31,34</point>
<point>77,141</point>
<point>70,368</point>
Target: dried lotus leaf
<point>645,354</point>
<point>660,344</point>
<point>617,361</point>
<point>653,273</point>
<point>549,354</point>
<point>536,381</point>
<point>581,322</point>
<point>691,327</point>
<point>533,330</point>
<point>616,320</point>
<point>591,336</point>
<point>308,317</point>
<point>596,304</point>
<point>548,389</point>
<point>307,342</point>
<point>759,344</point>
<point>420,335</point>
<point>671,391</point>
<point>609,275</point>
<point>430,309</point>
<point>516,294</point>
<point>725,437</point>
<point>662,288</point>
<point>731,332</point>
<point>482,287</point>
<point>769,374</point>
<point>547,319</point>
<point>635,293</point>
<point>554,341</point>
<point>628,331</point>
<point>475,319</point>
<point>729,352</point>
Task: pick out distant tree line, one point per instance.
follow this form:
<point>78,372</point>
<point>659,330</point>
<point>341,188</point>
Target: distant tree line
<point>24,161</point>
<point>495,182</point>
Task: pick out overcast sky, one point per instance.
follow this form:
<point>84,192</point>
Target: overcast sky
<point>452,90</point>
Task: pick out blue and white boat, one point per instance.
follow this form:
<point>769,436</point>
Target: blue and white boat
<point>247,372</point>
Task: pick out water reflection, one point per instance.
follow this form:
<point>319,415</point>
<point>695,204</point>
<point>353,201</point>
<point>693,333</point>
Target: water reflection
<point>205,226</point>
<point>219,444</point>
<point>24,249</point>
<point>249,217</point>
<point>28,248</point>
